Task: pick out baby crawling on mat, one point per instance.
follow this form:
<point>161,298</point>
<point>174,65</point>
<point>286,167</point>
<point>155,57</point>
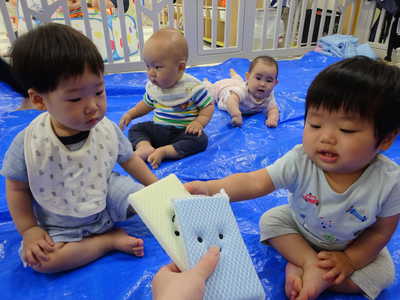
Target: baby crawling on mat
<point>181,104</point>
<point>254,95</point>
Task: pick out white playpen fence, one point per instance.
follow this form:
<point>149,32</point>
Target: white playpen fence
<point>215,30</point>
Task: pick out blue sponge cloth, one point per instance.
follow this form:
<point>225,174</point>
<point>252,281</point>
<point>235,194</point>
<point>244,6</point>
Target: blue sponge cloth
<point>205,221</point>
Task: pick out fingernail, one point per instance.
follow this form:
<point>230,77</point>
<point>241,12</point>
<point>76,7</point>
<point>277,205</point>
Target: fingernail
<point>214,250</point>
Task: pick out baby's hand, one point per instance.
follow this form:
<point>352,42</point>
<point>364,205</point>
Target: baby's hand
<point>194,128</point>
<point>271,122</point>
<point>36,244</point>
<point>339,265</point>
<point>197,187</point>
<point>125,120</point>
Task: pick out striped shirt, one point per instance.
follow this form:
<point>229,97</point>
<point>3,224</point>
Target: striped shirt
<point>183,114</point>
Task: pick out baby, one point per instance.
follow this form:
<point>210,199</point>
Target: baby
<point>62,193</point>
<point>251,96</point>
<point>344,195</point>
<point>181,104</point>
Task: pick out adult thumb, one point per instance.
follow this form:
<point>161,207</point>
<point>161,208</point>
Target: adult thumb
<point>207,264</point>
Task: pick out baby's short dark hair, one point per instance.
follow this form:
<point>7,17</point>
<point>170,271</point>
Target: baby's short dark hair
<point>367,87</point>
<point>44,56</point>
<point>266,60</point>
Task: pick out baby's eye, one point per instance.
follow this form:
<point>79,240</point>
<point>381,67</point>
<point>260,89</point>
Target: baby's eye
<point>74,100</point>
<point>347,130</point>
<point>315,126</point>
<point>158,67</point>
<point>258,78</point>
<point>99,93</point>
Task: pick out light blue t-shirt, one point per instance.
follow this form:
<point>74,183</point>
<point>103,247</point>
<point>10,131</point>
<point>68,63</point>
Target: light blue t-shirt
<point>332,217</point>
<point>14,166</point>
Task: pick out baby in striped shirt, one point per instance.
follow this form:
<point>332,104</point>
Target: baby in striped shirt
<point>181,104</point>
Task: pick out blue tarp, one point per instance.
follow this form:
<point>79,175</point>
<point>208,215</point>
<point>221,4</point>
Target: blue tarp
<point>121,276</point>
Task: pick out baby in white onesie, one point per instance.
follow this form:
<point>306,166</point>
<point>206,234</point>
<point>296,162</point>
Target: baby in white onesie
<point>254,95</point>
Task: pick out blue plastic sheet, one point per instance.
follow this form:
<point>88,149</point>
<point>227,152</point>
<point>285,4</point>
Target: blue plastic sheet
<point>121,276</point>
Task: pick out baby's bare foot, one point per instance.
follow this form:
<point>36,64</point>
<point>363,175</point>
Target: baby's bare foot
<point>143,151</point>
<point>293,280</point>
<point>126,243</point>
<point>271,122</point>
<point>156,157</point>
<point>313,284</point>
<point>237,120</point>
<point>232,72</point>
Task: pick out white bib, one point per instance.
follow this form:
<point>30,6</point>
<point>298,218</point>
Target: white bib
<point>70,183</point>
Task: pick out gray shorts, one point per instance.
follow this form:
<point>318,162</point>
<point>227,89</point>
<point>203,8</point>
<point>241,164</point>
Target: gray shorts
<point>371,279</point>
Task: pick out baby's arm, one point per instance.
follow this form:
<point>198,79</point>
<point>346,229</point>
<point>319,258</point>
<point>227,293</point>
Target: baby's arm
<point>272,115</point>
<point>137,168</point>
<point>233,107</point>
<point>137,111</point>
<point>241,186</point>
<point>37,243</point>
<point>361,252</point>
<point>198,124</point>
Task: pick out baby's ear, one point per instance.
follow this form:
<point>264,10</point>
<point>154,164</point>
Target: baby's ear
<point>182,66</point>
<point>388,141</point>
<point>37,99</point>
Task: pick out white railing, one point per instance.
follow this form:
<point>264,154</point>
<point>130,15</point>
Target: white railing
<point>240,28</point>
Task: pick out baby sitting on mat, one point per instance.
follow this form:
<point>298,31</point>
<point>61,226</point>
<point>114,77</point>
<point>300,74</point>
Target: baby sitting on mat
<point>181,104</point>
<point>251,96</point>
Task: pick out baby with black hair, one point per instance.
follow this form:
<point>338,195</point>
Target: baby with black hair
<point>344,195</point>
<point>62,192</point>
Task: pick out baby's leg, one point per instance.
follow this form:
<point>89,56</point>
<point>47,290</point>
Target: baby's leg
<point>313,284</point>
<point>347,287</point>
<point>144,149</point>
<point>298,252</point>
<point>72,255</point>
<point>371,279</point>
<point>232,106</point>
<point>234,75</point>
<point>161,153</point>
<point>142,136</point>
<point>293,280</point>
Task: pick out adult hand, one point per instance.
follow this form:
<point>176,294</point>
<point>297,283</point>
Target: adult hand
<point>171,283</point>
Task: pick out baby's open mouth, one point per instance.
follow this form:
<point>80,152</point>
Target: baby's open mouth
<point>327,156</point>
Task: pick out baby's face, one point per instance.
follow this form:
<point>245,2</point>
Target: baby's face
<point>261,80</point>
<point>339,142</point>
<point>77,104</point>
<point>162,70</point>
